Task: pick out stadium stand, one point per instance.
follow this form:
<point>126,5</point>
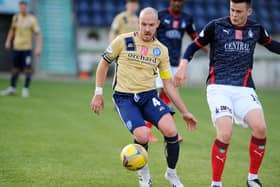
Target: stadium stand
<point>101,12</point>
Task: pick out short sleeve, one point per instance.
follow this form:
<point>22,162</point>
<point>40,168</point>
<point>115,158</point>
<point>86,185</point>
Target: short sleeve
<point>35,26</point>
<point>206,35</point>
<point>113,50</point>
<point>164,65</point>
<point>14,20</point>
<point>264,37</point>
<point>190,29</point>
<point>115,27</point>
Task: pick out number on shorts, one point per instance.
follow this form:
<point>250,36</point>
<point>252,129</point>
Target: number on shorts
<point>156,102</point>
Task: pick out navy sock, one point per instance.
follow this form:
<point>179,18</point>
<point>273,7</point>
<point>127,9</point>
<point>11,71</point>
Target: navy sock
<point>146,145</point>
<point>27,80</point>
<point>14,79</point>
<point>172,149</point>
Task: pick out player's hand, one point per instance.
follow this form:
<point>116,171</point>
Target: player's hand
<point>180,76</point>
<point>190,120</point>
<point>97,103</point>
<point>7,45</point>
<point>38,51</point>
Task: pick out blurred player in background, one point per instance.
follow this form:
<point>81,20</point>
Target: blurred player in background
<point>126,21</point>
<point>21,31</point>
<point>230,91</point>
<point>174,23</point>
<point>138,56</point>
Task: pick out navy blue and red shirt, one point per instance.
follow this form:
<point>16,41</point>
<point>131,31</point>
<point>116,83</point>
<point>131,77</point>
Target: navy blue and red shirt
<point>231,50</point>
<point>171,32</point>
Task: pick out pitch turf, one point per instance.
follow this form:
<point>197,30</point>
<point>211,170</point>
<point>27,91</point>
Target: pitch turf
<point>53,139</point>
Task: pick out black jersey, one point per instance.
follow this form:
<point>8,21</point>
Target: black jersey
<point>232,50</point>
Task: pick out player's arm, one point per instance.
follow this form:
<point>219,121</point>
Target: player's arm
<point>193,34</point>
<point>11,34</point>
<point>111,53</point>
<point>38,49</point>
<point>114,30</point>
<point>201,41</point>
<point>266,40</point>
<point>38,36</point>
<point>173,94</point>
<point>273,46</point>
<point>97,102</point>
<point>9,38</point>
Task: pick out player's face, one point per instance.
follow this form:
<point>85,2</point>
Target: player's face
<point>239,13</point>
<point>176,5</point>
<point>148,25</point>
<point>132,7</point>
<point>23,8</point>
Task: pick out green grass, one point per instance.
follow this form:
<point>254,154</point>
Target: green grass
<point>53,139</point>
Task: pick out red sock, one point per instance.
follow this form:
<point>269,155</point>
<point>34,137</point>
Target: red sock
<point>256,152</point>
<point>219,153</point>
<point>164,98</point>
<point>149,124</point>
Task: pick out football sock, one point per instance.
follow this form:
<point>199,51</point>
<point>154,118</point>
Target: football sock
<point>14,79</point>
<point>219,153</point>
<point>252,176</point>
<point>146,145</point>
<point>256,152</point>
<point>172,149</point>
<point>149,124</point>
<point>27,80</point>
<point>164,98</point>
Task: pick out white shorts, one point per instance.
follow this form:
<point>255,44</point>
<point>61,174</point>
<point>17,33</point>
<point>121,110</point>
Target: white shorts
<point>233,101</point>
<point>159,83</point>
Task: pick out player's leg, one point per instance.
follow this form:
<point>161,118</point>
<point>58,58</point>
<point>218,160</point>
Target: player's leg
<point>219,148</point>
<point>221,109</point>
<point>172,147</point>
<point>249,112</point>
<point>160,115</point>
<point>27,72</point>
<point>17,65</point>
<point>255,120</point>
<point>131,117</point>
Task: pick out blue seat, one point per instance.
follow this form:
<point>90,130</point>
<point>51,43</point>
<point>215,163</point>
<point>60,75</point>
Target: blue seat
<point>84,19</point>
<point>82,6</point>
<point>96,6</point>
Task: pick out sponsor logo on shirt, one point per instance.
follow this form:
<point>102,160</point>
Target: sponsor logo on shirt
<point>173,34</point>
<point>141,59</point>
<point>237,46</point>
<point>144,50</point>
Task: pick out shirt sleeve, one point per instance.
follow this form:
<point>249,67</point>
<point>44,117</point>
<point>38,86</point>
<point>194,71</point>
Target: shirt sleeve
<point>14,20</point>
<point>206,35</point>
<point>113,50</point>
<point>264,37</point>
<point>190,29</point>
<point>35,26</point>
<point>164,65</point>
<point>115,27</point>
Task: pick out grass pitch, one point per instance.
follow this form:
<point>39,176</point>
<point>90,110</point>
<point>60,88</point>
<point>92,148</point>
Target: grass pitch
<point>53,139</point>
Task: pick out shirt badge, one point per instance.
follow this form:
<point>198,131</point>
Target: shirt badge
<point>250,34</point>
<point>156,51</point>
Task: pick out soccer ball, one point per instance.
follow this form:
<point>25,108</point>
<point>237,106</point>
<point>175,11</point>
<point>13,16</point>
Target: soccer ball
<point>134,157</point>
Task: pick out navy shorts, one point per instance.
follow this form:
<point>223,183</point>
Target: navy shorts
<point>135,109</point>
<point>22,59</point>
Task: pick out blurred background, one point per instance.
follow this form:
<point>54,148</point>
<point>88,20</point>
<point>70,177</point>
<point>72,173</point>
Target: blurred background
<point>75,33</point>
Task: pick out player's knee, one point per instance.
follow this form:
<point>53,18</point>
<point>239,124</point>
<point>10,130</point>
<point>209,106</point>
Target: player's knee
<point>15,70</point>
<point>259,131</point>
<point>225,137</point>
<point>142,135</point>
<point>170,132</point>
